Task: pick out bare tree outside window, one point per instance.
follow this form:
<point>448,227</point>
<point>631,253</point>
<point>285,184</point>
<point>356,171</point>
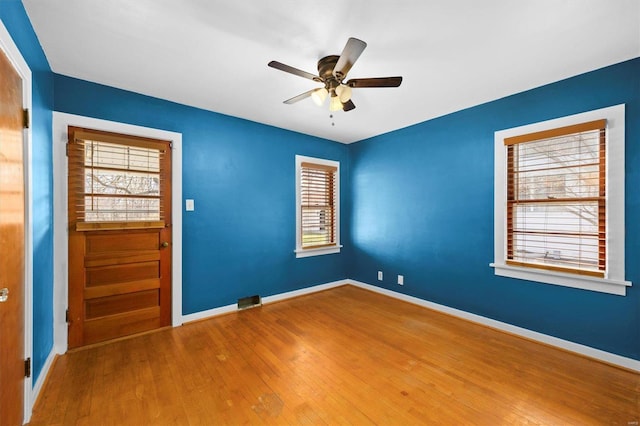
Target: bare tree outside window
<point>122,183</point>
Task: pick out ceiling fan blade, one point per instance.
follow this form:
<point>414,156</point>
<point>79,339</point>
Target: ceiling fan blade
<point>300,97</point>
<point>375,82</point>
<point>348,106</point>
<point>295,71</point>
<point>348,57</point>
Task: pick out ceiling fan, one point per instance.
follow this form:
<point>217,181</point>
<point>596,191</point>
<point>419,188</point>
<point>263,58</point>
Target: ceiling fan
<point>332,70</point>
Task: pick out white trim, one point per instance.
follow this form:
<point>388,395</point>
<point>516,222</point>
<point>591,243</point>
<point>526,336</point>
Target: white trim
<point>15,57</point>
<point>299,251</point>
<point>197,316</point>
<point>303,291</point>
<point>42,378</point>
<point>61,121</point>
<point>317,251</point>
<point>614,281</point>
<point>588,351</point>
<point>568,280</point>
<point>209,313</point>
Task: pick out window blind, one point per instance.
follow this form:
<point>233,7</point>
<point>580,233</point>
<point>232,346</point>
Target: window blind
<point>556,199</point>
<point>318,201</point>
<point>115,180</point>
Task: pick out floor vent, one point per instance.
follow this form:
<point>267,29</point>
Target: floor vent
<point>249,302</point>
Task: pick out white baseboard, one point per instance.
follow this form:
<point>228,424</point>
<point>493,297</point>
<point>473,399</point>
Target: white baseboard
<point>265,300</point>
<point>197,316</point>
<point>621,361</point>
<point>303,291</point>
<point>42,379</point>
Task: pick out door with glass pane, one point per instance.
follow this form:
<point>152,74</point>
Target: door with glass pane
<point>119,235</point>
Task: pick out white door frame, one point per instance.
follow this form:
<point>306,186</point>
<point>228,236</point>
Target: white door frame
<point>15,57</point>
<point>61,122</point>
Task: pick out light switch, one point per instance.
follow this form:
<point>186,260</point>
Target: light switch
<point>189,205</point>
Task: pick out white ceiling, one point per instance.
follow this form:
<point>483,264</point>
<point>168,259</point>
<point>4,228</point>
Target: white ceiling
<point>453,54</point>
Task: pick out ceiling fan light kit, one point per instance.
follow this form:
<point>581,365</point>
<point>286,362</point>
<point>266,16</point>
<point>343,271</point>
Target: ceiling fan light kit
<point>344,92</point>
<point>335,104</point>
<point>319,95</point>
<point>332,70</point>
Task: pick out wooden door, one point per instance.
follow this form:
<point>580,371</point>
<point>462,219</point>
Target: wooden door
<point>119,235</point>
<point>11,245</point>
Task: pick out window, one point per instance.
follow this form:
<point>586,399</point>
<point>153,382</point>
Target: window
<point>559,201</point>
<point>556,210</point>
<point>317,206</point>
<point>116,181</point>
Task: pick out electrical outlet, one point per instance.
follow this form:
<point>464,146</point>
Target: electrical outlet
<point>400,279</point>
<point>379,275</point>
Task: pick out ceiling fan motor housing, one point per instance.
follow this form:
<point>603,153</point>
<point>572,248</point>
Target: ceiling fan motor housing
<point>326,66</point>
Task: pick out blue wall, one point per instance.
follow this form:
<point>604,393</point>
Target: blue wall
<point>16,21</point>
<point>239,241</point>
<point>422,206</point>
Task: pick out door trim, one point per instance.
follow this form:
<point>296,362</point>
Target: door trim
<point>61,122</point>
<point>13,53</point>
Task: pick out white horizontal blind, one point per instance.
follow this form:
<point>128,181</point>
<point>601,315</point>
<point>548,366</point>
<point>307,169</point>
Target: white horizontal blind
<point>318,201</point>
<point>556,200</point>
<point>113,179</point>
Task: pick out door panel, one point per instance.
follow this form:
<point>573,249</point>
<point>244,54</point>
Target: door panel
<point>120,288</point>
<point>119,271</point>
<point>109,243</point>
<point>105,275</point>
<point>124,324</point>
<point>111,305</point>
<point>11,245</point>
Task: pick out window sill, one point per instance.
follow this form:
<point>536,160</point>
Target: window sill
<point>603,285</point>
<point>318,251</point>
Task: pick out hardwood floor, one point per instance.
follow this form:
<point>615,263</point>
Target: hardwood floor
<point>343,356</point>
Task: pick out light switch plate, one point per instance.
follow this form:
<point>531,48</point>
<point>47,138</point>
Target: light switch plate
<point>189,205</point>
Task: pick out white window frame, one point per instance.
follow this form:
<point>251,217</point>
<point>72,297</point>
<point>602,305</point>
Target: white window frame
<point>307,252</point>
<point>613,281</point>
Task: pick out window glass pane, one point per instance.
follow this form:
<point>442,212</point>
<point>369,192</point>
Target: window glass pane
<point>118,209</point>
<point>98,181</point>
<point>565,167</point>
<point>317,192</point>
<point>122,183</point>
<point>562,235</point>
<point>109,155</point>
<point>557,202</point>
<point>317,226</point>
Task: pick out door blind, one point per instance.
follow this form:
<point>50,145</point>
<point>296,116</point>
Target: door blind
<point>318,201</point>
<point>556,199</point>
<point>115,180</point>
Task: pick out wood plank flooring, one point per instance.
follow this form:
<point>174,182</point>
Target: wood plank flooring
<point>342,356</point>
